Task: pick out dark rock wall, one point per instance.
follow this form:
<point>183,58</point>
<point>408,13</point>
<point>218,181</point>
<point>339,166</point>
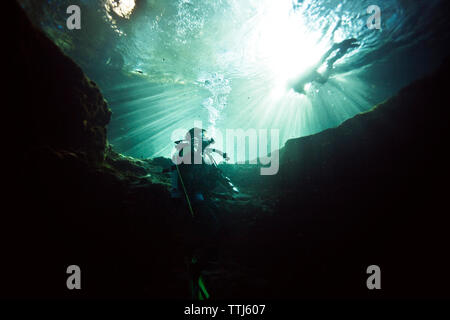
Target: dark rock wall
<point>55,104</point>
<point>64,204</point>
<point>373,191</point>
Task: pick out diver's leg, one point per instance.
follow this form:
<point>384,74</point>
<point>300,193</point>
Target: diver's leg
<point>207,226</point>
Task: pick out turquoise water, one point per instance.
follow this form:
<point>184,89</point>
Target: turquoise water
<point>230,64</point>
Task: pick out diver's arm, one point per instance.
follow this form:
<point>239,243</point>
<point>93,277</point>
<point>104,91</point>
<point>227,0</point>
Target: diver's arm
<point>334,47</point>
<point>221,153</point>
<point>327,55</point>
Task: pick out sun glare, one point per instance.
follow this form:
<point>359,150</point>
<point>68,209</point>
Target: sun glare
<point>282,43</point>
<point>123,8</point>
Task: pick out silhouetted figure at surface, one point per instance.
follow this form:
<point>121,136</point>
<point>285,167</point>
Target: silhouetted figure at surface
<point>312,75</point>
<point>342,49</point>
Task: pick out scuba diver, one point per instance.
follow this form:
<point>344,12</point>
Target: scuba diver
<point>196,149</point>
<point>194,176</point>
<point>312,75</point>
<point>196,167</point>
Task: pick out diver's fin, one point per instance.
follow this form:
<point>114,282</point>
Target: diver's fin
<point>203,293</point>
